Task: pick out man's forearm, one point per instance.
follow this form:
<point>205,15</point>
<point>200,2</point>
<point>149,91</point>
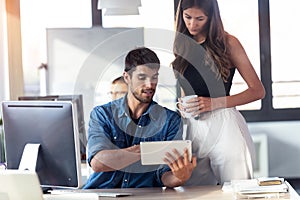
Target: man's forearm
<point>111,160</point>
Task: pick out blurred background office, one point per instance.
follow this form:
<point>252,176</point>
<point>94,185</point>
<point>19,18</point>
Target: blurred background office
<point>118,88</point>
<point>83,44</point>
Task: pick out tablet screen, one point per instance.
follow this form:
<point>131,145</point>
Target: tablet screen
<point>153,153</point>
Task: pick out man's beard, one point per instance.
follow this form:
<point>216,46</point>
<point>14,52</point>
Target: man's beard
<point>148,99</point>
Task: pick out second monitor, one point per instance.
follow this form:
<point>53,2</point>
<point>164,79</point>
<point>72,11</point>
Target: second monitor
<point>77,101</point>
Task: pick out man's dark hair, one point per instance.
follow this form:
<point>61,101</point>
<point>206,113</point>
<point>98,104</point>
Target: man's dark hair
<point>141,56</point>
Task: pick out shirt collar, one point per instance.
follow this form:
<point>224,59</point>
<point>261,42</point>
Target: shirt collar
<point>153,110</point>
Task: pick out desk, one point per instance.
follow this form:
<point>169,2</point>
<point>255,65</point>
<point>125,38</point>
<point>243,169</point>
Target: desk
<point>196,192</point>
<point>203,192</point>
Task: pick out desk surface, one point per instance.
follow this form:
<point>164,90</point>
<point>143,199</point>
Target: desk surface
<point>197,192</point>
<point>203,192</point>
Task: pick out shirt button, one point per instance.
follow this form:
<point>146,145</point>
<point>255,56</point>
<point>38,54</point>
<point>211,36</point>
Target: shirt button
<point>140,126</point>
<point>125,180</point>
<point>115,137</point>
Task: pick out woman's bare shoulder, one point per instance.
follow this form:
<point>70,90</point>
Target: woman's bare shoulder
<point>236,50</point>
<point>232,41</point>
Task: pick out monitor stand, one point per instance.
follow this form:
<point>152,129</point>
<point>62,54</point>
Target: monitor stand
<point>29,157</point>
<point>29,161</point>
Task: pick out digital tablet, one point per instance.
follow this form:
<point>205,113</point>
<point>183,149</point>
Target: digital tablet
<point>153,153</point>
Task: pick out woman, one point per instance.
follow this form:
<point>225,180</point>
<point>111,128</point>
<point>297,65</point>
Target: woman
<point>206,58</point>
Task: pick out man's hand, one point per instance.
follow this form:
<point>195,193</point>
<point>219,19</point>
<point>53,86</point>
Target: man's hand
<point>180,165</point>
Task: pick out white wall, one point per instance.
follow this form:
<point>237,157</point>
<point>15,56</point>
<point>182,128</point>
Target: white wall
<point>283,146</point>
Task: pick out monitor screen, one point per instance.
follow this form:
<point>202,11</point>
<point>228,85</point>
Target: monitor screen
<point>53,125</point>
<point>78,105</point>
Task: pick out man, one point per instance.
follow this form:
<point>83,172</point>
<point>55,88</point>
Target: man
<point>117,128</point>
<point>118,88</point>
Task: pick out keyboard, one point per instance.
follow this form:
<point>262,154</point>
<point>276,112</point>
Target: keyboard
<point>71,196</point>
<point>99,194</point>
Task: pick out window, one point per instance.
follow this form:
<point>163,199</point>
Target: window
<point>278,62</point>
<point>285,54</point>
<point>268,32</point>
<point>3,54</point>
<point>242,23</point>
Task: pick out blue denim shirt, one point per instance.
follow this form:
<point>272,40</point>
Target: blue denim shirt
<point>111,127</point>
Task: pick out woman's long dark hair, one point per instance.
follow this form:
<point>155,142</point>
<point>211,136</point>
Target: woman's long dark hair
<point>215,44</point>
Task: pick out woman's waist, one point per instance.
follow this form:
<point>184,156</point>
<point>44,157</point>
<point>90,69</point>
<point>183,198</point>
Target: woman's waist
<point>216,113</point>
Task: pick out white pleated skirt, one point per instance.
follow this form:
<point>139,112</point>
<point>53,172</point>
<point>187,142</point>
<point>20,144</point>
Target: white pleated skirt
<point>223,147</point>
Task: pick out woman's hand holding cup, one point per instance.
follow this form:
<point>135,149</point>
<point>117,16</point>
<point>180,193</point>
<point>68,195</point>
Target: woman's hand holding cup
<point>185,104</point>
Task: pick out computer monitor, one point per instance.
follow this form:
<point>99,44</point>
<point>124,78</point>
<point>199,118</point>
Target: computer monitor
<point>78,105</point>
<point>53,125</point>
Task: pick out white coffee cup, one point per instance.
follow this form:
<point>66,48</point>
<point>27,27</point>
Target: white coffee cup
<point>183,103</point>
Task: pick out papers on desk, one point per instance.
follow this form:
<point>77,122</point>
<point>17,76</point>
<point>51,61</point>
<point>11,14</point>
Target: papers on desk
<point>246,189</point>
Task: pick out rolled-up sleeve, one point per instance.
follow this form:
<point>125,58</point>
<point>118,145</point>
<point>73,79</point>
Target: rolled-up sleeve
<point>98,133</point>
<point>163,169</point>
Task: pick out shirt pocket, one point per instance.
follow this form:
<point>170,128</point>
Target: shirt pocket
<point>119,140</point>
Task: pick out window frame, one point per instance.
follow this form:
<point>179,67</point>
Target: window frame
<point>267,112</point>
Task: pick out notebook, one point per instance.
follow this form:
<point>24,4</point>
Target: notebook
<point>250,189</point>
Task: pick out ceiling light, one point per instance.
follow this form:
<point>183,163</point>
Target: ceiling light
<point>118,4</point>
<point>120,11</point>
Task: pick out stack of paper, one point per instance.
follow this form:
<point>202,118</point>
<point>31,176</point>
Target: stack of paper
<point>252,189</point>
